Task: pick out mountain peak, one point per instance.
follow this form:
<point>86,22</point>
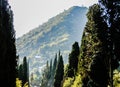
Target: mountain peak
<point>77,7</point>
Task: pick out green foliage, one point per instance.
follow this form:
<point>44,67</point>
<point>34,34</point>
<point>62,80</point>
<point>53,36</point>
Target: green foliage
<point>23,71</point>
<point>116,78</point>
<point>112,18</point>
<point>57,33</point>
<point>93,60</point>
<point>54,64</point>
<point>20,72</point>
<point>45,75</point>
<point>51,68</point>
<point>98,57</point>
<point>59,72</point>
<point>66,70</point>
<point>18,83</point>
<point>48,73</point>
<point>7,46</point>
<point>73,60</point>
<point>68,82</point>
<point>72,82</point>
<point>77,81</point>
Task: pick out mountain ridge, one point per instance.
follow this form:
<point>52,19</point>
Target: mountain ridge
<point>58,33</point>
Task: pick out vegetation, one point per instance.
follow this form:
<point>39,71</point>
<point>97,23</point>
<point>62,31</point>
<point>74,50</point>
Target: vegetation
<point>59,72</point>
<point>19,83</point>
<point>68,82</point>
<point>99,49</point>
<point>116,78</point>
<point>73,60</point>
<point>57,33</point>
<point>94,64</point>
<point>54,65</point>
<point>7,46</point>
<point>93,53</point>
<point>45,75</point>
<point>73,82</point>
<point>53,72</point>
<point>112,18</point>
<point>23,72</point>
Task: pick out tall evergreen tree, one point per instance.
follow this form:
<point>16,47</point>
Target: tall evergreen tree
<point>28,73</point>
<point>7,43</point>
<point>93,54</point>
<point>25,71</point>
<point>50,72</point>
<point>59,72</point>
<point>55,64</point>
<point>20,72</point>
<point>17,67</point>
<point>111,8</point>
<point>73,59</point>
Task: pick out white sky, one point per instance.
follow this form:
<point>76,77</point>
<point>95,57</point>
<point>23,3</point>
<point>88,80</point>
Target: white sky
<point>29,14</point>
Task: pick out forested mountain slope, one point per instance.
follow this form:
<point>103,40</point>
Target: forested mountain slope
<point>58,33</point>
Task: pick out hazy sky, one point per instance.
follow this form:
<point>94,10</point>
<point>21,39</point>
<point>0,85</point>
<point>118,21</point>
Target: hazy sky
<point>29,14</point>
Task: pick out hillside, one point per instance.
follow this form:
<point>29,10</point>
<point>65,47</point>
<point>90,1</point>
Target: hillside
<point>58,33</point>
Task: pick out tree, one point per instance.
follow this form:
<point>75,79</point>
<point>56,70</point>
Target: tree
<point>25,71</point>
<point>93,54</point>
<point>7,43</point>
<point>55,64</point>
<point>112,18</point>
<point>20,72</point>
<point>50,72</point>
<point>59,72</point>
<point>45,75</point>
<point>73,59</point>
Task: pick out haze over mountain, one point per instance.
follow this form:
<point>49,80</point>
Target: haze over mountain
<point>59,33</point>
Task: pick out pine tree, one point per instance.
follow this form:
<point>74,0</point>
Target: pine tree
<point>59,72</point>
<point>7,43</point>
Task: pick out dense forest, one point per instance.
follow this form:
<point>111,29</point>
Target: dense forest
<point>92,63</point>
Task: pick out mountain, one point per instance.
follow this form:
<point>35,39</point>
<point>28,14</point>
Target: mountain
<point>58,33</point>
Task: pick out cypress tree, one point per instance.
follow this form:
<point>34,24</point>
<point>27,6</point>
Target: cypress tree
<point>50,72</point>
<point>73,59</point>
<point>20,72</point>
<point>93,55</point>
<point>59,72</point>
<point>7,43</point>
<point>112,18</point>
<point>25,71</point>
<point>55,64</point>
